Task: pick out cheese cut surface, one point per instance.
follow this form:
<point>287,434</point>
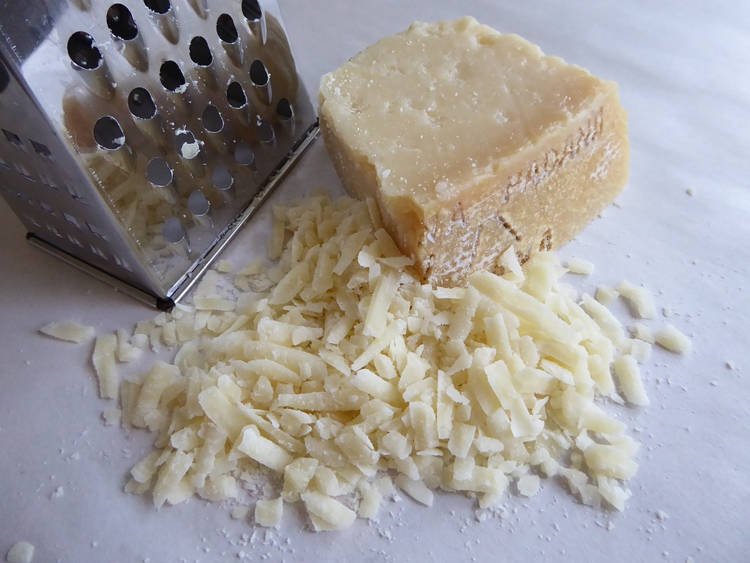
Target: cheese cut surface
<point>472,141</point>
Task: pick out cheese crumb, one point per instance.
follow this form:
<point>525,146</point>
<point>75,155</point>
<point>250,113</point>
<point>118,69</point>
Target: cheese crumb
<point>642,332</point>
<point>103,359</point>
<point>268,513</point>
<point>224,266</point>
<point>68,331</point>
<point>639,300</point>
<point>240,512</point>
<point>111,416</point>
<point>416,489</point>
<point>629,376</point>
<point>673,340</point>
<point>21,552</point>
<point>605,295</point>
<point>579,266</point>
<point>326,513</point>
<point>528,485</point>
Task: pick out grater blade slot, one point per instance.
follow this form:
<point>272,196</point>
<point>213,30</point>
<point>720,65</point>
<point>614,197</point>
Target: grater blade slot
<point>203,60</point>
<point>237,100</point>
<point>200,7</point>
<point>125,32</point>
<point>88,62</point>
<point>223,182</point>
<point>261,80</point>
<point>164,18</point>
<point>230,39</point>
<point>161,176</point>
<point>145,115</point>
<point>215,128</point>
<point>111,141</point>
<point>256,20</point>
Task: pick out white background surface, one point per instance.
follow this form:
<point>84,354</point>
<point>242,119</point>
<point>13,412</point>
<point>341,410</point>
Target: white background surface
<point>684,73</point>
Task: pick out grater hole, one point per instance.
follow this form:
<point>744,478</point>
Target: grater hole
<point>22,170</point>
<point>141,104</point>
<point>265,131</point>
<point>108,133</point>
<point>212,120</point>
<point>284,109</point>
<point>158,6</point>
<point>121,23</point>
<point>75,194</point>
<point>97,251</point>
<point>187,145</point>
<point>172,230</point>
<point>83,51</point>
<point>26,198</point>
<point>52,229</point>
<point>75,241</point>
<point>48,181</point>
<point>197,204</point>
<point>46,207</point>
<point>200,53</point>
<point>251,10</point>
<point>236,95</point>
<point>122,263</point>
<point>13,139</point>
<point>244,155</point>
<point>3,164</point>
<point>96,231</point>
<point>221,178</point>
<point>4,78</point>
<point>159,173</point>
<point>225,29</point>
<point>72,220</point>
<point>259,74</point>
<point>33,221</point>
<point>42,150</point>
<point>171,77</point>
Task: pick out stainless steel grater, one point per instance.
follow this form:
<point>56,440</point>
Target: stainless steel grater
<point>138,136</point>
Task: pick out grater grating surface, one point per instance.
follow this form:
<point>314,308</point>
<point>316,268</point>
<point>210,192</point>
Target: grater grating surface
<point>136,137</point>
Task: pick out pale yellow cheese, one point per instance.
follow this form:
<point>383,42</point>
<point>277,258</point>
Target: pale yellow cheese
<point>673,340</point>
<point>471,141</point>
<point>460,389</point>
<point>68,331</point>
<point>21,552</point>
<point>268,513</point>
<point>103,359</point>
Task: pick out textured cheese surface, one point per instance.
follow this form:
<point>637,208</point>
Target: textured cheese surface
<point>471,140</point>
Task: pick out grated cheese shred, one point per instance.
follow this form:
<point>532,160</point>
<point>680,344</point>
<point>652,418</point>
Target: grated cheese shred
<point>344,367</point>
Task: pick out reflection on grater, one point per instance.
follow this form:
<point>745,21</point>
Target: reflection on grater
<point>138,136</point>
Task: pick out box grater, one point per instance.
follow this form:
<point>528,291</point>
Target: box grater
<point>139,136</point>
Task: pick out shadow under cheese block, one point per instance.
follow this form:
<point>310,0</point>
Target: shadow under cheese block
<point>471,141</point>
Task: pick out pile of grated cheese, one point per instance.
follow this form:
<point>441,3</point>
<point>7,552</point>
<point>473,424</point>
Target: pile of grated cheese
<point>339,372</point>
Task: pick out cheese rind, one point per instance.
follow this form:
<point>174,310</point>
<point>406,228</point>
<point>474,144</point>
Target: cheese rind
<point>471,141</point>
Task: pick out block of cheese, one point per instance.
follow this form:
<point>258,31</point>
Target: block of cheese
<point>471,141</point>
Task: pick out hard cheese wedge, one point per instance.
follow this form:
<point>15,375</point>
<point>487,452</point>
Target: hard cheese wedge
<point>470,141</point>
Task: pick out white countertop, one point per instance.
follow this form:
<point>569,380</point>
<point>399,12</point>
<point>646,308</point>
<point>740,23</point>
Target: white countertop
<point>684,74</point>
